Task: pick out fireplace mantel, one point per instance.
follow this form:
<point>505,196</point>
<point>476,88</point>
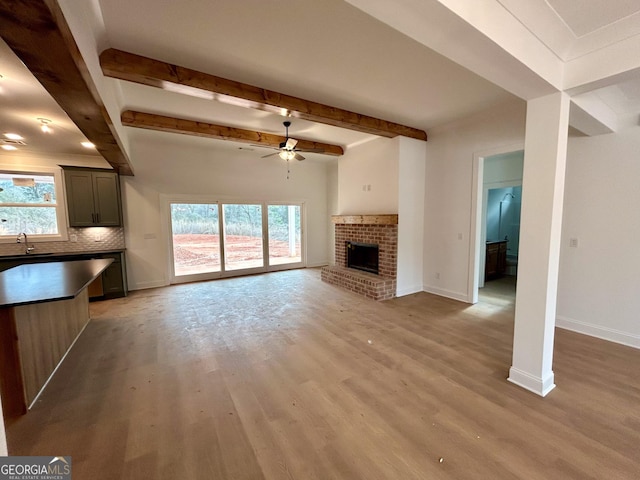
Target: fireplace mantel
<point>365,219</point>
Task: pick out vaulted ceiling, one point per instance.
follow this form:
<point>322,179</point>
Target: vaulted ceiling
<point>415,63</point>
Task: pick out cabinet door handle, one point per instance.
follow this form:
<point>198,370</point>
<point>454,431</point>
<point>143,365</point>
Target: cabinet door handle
<point>93,218</point>
<point>98,217</point>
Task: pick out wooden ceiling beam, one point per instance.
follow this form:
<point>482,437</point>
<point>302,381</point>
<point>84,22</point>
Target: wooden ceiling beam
<point>151,121</point>
<point>155,73</point>
<point>39,35</point>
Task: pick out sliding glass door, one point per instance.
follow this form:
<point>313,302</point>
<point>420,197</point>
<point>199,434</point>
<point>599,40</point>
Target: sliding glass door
<point>284,235</point>
<point>243,236</point>
<point>211,240</point>
<point>195,238</point>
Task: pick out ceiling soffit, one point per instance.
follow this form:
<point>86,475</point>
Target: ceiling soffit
<point>572,29</point>
<point>38,34</point>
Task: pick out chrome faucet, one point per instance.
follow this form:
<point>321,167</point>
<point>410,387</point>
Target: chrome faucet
<point>28,249</point>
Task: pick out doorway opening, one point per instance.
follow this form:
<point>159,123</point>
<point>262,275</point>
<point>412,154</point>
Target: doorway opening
<point>496,222</point>
<point>502,232</point>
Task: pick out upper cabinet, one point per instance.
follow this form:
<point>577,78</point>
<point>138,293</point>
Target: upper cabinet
<point>93,197</point>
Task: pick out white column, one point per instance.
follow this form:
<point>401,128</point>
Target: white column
<point>545,153</point>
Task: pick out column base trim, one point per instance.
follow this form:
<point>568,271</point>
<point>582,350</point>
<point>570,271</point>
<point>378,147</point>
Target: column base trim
<point>537,385</point>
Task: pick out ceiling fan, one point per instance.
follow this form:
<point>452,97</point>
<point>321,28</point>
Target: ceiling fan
<point>288,147</point>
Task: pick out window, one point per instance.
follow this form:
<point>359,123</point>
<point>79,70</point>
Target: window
<point>30,202</point>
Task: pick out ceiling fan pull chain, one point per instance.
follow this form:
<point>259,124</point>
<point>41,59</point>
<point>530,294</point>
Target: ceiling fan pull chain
<point>288,170</point>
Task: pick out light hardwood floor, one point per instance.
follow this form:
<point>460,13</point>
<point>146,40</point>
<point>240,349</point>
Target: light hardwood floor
<point>281,376</point>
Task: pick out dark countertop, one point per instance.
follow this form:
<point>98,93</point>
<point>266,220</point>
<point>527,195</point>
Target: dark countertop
<point>47,282</point>
<point>59,254</point>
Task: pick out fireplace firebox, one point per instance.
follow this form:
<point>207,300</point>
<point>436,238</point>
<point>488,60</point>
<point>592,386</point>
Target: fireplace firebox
<point>362,256</point>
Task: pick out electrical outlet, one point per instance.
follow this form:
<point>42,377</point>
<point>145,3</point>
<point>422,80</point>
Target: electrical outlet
<point>573,242</point>
<point>437,275</point>
<point>73,238</point>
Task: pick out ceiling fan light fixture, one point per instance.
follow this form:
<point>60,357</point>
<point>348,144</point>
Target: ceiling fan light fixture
<point>287,155</point>
<point>44,124</point>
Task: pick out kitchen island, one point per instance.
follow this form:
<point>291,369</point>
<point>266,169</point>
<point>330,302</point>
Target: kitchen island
<point>43,309</point>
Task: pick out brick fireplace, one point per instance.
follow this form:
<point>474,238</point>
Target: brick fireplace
<point>380,230</point>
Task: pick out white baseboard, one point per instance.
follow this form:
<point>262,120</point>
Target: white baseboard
<point>598,331</point>
<point>537,385</point>
<point>146,285</point>
<point>461,297</point>
<point>317,264</point>
<point>401,292</point>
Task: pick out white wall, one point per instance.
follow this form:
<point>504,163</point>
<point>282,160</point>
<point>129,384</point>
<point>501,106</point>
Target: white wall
<point>332,207</point>
<point>148,252</point>
<point>505,169</point>
<point>166,167</point>
<point>599,280</point>
<point>374,164</point>
<point>411,187</point>
<point>448,192</point>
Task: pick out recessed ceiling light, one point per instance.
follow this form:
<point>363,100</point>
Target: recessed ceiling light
<point>8,147</point>
<point>88,145</point>
<point>13,136</point>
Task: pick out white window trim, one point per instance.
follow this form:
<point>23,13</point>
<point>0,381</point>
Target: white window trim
<point>61,205</point>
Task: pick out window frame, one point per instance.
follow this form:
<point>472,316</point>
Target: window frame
<point>60,206</point>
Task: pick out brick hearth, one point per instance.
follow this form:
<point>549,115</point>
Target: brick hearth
<point>377,229</point>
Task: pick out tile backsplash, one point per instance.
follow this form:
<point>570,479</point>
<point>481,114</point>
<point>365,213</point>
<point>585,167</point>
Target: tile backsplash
<point>87,239</point>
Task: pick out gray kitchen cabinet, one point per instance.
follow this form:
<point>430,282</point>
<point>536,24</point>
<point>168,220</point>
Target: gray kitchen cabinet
<point>93,197</point>
<point>113,278</point>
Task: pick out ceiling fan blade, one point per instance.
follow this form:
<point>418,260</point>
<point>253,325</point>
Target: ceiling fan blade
<point>264,146</point>
<point>298,156</point>
<point>291,143</point>
<point>270,155</point>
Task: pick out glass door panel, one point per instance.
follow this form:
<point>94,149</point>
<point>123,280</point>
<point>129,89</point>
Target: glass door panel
<point>196,238</point>
<point>243,245</point>
<point>284,234</point>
